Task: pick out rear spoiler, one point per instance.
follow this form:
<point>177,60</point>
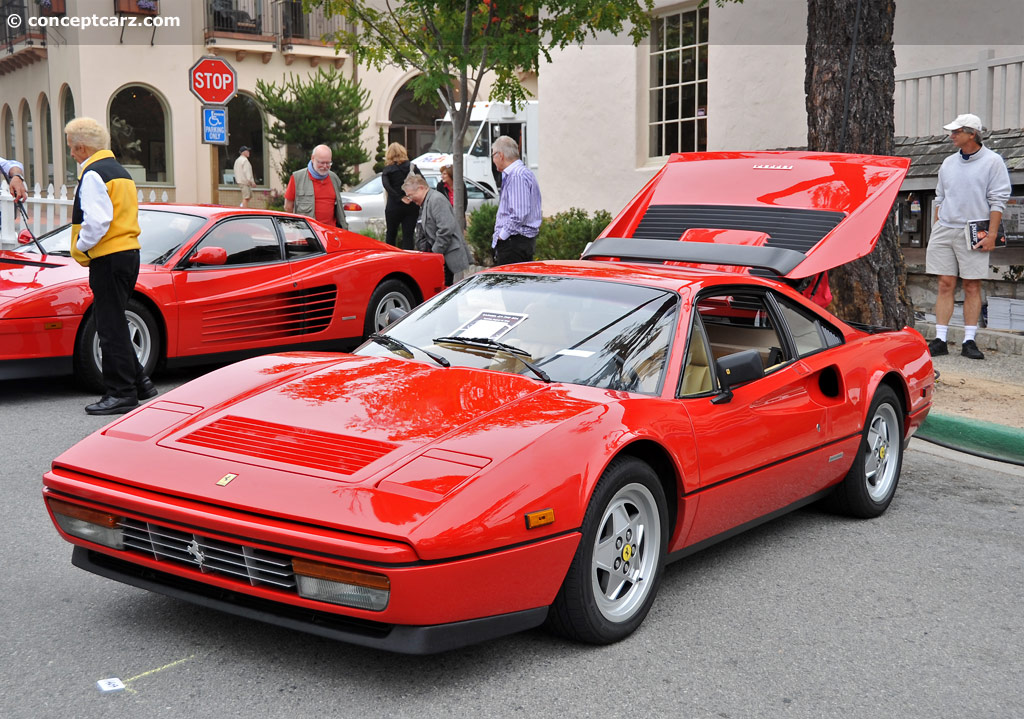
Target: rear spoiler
<point>776,259</point>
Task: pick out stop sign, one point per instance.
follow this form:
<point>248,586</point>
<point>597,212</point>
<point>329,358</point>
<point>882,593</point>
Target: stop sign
<point>213,81</point>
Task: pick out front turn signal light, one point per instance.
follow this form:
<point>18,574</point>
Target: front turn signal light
<point>89,524</point>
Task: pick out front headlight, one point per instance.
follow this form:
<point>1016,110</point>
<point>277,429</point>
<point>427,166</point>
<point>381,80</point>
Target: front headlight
<point>338,585</point>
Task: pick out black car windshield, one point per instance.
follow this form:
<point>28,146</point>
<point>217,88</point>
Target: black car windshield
<point>580,331</point>
<point>162,233</point>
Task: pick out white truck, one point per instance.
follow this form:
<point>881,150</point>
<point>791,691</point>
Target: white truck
<point>487,121</point>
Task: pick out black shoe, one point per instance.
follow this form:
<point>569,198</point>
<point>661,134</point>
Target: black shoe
<point>938,347</point>
<point>146,389</point>
<point>112,405</point>
<point>969,349</point>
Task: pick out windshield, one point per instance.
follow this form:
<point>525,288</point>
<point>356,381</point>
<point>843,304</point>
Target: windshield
<point>601,334</point>
<point>162,233</point>
<point>443,138</point>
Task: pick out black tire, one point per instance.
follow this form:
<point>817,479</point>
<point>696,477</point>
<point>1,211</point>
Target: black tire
<point>609,588</point>
<point>146,338</point>
<point>389,295</point>
<point>869,486</point>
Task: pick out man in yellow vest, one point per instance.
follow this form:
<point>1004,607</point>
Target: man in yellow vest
<point>105,238</point>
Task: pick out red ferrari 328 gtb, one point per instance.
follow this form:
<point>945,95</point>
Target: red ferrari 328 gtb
<point>534,444</point>
<point>215,283</point>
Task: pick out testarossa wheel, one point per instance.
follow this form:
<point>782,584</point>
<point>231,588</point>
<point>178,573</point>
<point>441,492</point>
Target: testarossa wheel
<point>615,573</point>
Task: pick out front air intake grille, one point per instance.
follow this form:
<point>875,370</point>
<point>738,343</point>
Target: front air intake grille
<point>788,228</point>
<point>211,556</point>
<point>292,445</point>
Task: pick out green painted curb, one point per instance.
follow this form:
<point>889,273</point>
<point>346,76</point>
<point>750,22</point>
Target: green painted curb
<point>974,436</point>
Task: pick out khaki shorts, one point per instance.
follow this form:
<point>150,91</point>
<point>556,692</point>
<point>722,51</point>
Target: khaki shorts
<point>246,192</point>
<point>948,254</point>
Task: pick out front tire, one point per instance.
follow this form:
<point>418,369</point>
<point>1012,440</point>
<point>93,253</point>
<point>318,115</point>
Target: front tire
<point>869,486</point>
<point>145,336</point>
<point>389,295</point>
<point>614,576</point>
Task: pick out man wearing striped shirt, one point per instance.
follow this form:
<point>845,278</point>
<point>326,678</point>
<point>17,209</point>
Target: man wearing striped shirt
<point>518,220</point>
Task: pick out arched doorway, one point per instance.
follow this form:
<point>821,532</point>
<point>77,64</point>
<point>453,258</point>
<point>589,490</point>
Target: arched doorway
<point>412,122</point>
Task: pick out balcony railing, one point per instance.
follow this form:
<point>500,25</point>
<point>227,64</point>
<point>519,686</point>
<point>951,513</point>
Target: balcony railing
<point>243,17</point>
<point>313,26</point>
<point>991,88</point>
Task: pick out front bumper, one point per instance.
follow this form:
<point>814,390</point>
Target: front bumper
<point>404,639</point>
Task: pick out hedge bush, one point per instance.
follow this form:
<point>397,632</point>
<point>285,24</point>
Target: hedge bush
<point>562,236</point>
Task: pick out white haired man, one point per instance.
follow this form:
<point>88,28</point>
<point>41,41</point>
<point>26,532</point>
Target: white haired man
<point>518,221</point>
<point>315,191</point>
<point>973,185</point>
<point>105,238</point>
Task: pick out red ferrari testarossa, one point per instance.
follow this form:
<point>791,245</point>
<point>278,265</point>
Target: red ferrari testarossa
<point>215,283</point>
<point>534,444</point>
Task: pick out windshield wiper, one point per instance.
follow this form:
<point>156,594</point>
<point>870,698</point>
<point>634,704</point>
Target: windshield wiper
<point>518,353</point>
<point>391,343</point>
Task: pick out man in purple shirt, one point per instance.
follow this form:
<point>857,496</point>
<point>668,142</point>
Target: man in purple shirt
<point>518,220</point>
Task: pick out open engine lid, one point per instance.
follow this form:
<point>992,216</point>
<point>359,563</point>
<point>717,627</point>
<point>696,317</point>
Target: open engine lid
<point>827,208</point>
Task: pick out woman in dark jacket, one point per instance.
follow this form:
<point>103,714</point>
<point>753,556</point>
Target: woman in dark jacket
<point>399,210</point>
<point>447,183</point>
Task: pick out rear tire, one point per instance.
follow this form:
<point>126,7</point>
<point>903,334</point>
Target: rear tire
<point>614,576</point>
<point>389,295</point>
<point>869,486</point>
<point>145,335</point>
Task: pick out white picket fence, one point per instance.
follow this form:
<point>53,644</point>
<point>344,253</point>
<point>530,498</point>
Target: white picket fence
<point>45,212</point>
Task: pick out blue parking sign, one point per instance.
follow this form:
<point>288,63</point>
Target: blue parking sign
<point>215,125</point>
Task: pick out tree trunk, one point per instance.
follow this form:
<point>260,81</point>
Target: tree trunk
<point>850,109</point>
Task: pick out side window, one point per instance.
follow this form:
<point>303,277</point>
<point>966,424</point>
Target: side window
<point>248,241</point>
<point>697,368</point>
<point>804,329</point>
<point>299,239</point>
<point>741,321</point>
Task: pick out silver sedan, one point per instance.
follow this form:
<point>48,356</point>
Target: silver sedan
<point>364,203</point>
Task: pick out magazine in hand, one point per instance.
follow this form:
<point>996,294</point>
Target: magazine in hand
<point>972,228</point>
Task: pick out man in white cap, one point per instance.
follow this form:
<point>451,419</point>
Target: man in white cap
<point>974,185</point>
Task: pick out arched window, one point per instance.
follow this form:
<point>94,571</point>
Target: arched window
<point>47,145</point>
<point>138,133</point>
<point>245,127</point>
<point>10,146</point>
<point>67,102</point>
<point>412,122</point>
<point>28,158</point>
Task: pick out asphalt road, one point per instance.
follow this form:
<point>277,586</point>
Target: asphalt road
<point>915,614</point>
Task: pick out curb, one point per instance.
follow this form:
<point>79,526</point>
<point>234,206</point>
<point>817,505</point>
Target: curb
<point>984,439</point>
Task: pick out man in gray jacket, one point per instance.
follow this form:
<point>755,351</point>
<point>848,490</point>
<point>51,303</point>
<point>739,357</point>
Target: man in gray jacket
<point>436,228</point>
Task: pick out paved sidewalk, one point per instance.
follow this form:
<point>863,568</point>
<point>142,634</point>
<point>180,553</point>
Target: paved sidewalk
<point>1004,366</point>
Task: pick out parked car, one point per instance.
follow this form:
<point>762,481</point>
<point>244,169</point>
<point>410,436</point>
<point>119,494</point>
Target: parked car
<point>215,283</point>
<point>533,444</point>
<point>366,201</point>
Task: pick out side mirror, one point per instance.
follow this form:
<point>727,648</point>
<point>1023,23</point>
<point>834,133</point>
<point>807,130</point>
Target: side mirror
<point>24,237</point>
<point>736,369</point>
<point>209,256</point>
